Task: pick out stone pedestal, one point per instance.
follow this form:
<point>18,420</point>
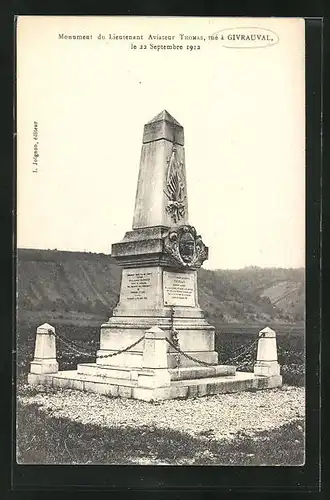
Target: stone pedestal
<point>148,297</point>
<point>44,360</point>
<point>266,364</point>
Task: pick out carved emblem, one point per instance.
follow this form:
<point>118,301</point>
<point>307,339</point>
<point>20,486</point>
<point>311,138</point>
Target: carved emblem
<point>175,187</point>
<point>185,247</point>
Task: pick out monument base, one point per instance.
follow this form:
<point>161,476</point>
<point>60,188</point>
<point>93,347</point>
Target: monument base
<point>154,372</point>
<point>178,388</point>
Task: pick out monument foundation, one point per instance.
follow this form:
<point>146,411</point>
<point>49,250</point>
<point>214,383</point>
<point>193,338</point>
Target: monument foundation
<point>158,344</point>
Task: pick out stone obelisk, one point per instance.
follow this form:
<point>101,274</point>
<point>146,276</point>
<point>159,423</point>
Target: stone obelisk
<point>158,345</point>
<point>160,257</point>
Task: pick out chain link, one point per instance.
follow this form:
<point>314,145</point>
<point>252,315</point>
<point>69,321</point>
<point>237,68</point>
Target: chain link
<point>204,363</point>
<point>64,341</point>
<point>122,350</point>
<point>245,351</point>
<point>69,346</point>
<point>187,355</point>
<point>68,342</point>
<point>175,338</point>
<point>174,344</point>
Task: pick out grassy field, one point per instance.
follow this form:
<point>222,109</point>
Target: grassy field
<point>72,427</point>
<point>50,440</point>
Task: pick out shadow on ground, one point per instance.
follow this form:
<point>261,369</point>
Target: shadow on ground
<point>43,439</point>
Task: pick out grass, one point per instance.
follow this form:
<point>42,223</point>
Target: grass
<point>43,439</point>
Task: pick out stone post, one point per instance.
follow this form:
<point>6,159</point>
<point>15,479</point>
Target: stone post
<point>45,351</point>
<point>154,361</point>
<point>266,363</point>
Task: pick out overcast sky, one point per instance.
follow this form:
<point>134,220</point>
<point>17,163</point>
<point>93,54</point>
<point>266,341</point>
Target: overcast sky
<point>243,115</point>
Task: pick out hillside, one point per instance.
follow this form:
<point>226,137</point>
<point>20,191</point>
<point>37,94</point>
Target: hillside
<point>85,286</point>
<point>285,288</point>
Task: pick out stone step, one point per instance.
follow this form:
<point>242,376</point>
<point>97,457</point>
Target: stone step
<point>70,379</point>
<point>133,360</point>
<point>213,385</point>
<point>199,372</point>
<point>184,373</point>
<point>116,372</point>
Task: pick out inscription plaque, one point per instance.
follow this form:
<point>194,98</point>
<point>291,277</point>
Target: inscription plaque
<point>137,285</point>
<point>179,289</point>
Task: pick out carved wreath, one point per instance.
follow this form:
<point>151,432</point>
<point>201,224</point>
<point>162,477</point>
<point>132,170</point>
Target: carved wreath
<point>185,247</point>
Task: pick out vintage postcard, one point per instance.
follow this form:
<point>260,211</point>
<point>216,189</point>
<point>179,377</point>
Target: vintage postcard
<point>161,241</point>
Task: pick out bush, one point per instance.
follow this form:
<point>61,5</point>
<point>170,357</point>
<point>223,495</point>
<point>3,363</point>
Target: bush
<point>293,374</point>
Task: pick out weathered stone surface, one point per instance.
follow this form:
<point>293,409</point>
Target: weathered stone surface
<point>116,339</point>
<point>163,126</point>
<point>180,289</point>
<point>266,363</point>
<point>43,366</point>
<point>266,368</point>
<point>107,371</point>
<point>155,349</point>
<point>196,340</point>
<point>125,392</point>
<point>156,290</point>
<point>197,372</point>
<point>141,289</point>
<point>152,197</point>
<point>161,196</point>
<point>177,389</point>
<point>194,334</point>
<point>131,359</point>
<point>210,357</point>
<point>159,378</point>
<point>45,351</point>
<point>142,306</point>
<point>141,247</point>
<point>185,247</point>
<point>40,379</point>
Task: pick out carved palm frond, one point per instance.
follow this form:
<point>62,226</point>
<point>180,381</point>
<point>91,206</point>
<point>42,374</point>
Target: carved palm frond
<point>173,186</point>
<point>174,182</point>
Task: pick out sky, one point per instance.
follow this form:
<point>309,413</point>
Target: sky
<point>243,114</point>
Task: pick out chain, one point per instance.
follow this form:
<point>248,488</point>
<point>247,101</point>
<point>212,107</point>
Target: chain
<point>69,346</point>
<point>122,350</point>
<point>204,363</point>
<point>246,350</point>
<point>175,339</point>
<point>69,341</point>
<point>64,341</point>
<point>174,343</point>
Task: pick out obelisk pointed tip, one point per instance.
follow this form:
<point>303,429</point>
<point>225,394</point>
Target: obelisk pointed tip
<point>163,126</point>
<point>164,116</point>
